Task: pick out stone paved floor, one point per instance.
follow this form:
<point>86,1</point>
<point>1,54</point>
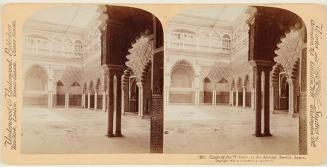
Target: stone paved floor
<point>226,129</point>
<point>81,131</point>
<point>189,129</point>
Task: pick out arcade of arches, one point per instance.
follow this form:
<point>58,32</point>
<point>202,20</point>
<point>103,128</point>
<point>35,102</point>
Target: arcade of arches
<point>77,67</point>
<point>224,62</point>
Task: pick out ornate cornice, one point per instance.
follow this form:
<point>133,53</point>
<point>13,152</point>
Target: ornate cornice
<point>200,21</point>
<point>51,27</point>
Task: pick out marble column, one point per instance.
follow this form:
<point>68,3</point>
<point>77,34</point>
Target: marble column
<point>291,97</point>
<point>110,132</point>
<point>126,97</point>
<point>95,100</point>
<point>266,102</point>
<point>271,97</point>
<point>199,96</point>
<point>258,102</point>
<point>122,97</point>
<point>67,100</point>
<point>232,98</point>
<point>195,96</point>
<point>82,100</point>
<point>276,96</point>
<point>118,105</point>
<point>213,98</point>
<point>253,99</point>
<point>140,102</point>
<point>237,97</point>
<point>49,100</point>
<point>88,100</point>
<point>114,103</point>
<point>244,93</point>
<point>104,100</point>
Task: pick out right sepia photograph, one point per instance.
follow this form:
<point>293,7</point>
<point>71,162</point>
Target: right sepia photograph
<point>235,81</point>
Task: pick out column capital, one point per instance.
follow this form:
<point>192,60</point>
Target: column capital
<point>139,84</point>
<point>263,65</point>
<point>272,84</point>
<point>290,81</point>
<point>116,69</point>
<point>267,69</point>
<point>214,86</point>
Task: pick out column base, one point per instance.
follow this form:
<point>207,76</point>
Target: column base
<point>267,134</point>
<point>258,135</point>
<point>292,115</point>
<point>119,135</point>
<point>110,135</point>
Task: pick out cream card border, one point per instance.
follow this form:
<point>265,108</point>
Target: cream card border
<point>14,15</point>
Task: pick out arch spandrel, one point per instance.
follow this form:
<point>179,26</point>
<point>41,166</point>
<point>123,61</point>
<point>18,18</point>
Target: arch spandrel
<point>91,87</point>
<point>239,84</point>
<point>289,51</point>
<point>219,71</point>
<point>140,54</point>
<point>204,72</point>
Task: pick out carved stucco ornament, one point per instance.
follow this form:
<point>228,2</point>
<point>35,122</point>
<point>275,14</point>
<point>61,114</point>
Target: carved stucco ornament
<point>140,54</point>
<point>289,51</point>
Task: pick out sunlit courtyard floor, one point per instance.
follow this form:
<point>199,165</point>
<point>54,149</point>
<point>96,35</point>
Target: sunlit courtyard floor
<point>226,129</point>
<point>81,131</point>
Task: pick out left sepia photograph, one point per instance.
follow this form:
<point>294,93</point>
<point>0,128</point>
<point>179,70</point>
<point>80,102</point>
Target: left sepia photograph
<point>92,81</point>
